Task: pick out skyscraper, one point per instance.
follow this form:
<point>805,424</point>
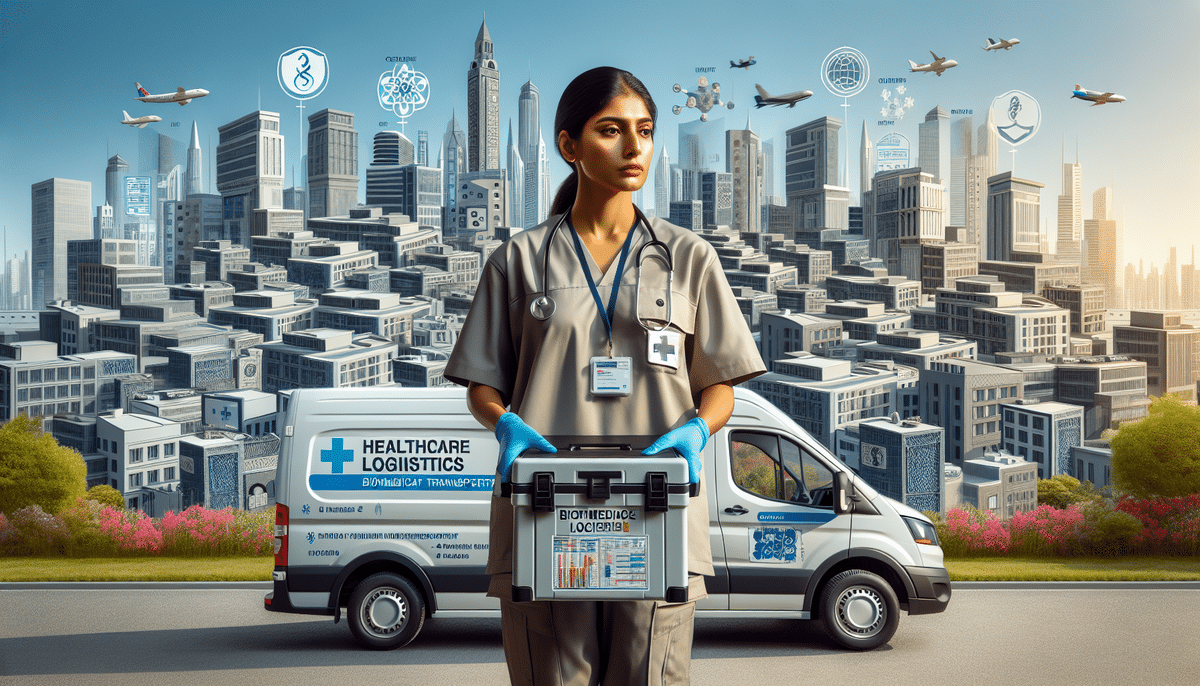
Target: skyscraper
<point>1014,216</point>
<point>662,185</point>
<point>483,106</point>
<point>987,144</point>
<point>533,156</point>
<point>249,171</point>
<point>866,165</point>
<point>332,164</point>
<point>195,165</point>
<point>1070,214</point>
<point>742,158</point>
<point>933,147</point>
<point>516,183</point>
<point>422,148</point>
<point>1103,258</point>
<point>817,202</point>
<point>768,153</point>
<point>393,151</point>
<point>961,133</point>
<point>114,195</point>
<point>61,212</point>
<point>454,163</point>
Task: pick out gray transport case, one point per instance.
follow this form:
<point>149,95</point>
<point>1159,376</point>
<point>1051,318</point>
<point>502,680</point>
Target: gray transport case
<point>599,524</point>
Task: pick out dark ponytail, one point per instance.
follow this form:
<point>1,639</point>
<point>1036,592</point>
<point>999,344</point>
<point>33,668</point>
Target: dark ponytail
<point>586,95</point>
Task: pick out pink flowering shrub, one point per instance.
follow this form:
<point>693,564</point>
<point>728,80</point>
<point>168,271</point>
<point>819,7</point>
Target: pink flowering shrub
<point>1046,530</point>
<point>968,532</point>
<point>131,530</point>
<point>1171,526</point>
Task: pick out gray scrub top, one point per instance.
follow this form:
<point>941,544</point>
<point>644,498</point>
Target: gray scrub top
<point>542,369</point>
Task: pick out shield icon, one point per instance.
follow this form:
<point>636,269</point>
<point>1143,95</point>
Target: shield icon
<point>303,72</point>
<point>1018,116</point>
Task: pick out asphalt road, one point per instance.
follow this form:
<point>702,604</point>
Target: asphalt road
<point>993,633</point>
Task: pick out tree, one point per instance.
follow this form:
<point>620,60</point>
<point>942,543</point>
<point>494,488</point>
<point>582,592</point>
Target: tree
<point>36,470</point>
<point>1159,455</point>
<point>1062,491</point>
<point>106,495</point>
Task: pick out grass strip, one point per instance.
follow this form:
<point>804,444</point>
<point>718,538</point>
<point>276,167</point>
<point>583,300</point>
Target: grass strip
<point>1074,569</point>
<point>137,569</point>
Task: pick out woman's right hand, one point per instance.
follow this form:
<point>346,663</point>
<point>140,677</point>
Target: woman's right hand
<point>516,437</point>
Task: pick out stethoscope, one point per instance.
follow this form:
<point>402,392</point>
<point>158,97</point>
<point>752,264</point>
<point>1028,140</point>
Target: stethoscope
<point>542,307</point>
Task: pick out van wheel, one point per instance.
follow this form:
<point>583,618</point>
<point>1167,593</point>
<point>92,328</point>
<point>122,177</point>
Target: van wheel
<point>385,611</point>
<point>859,610</point>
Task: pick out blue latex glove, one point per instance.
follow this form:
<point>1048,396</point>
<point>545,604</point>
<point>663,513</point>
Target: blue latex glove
<point>516,437</point>
<point>689,440</point>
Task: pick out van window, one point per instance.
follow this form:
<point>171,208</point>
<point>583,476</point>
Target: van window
<point>771,466</point>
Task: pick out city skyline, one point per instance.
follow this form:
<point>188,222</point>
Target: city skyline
<point>36,105</point>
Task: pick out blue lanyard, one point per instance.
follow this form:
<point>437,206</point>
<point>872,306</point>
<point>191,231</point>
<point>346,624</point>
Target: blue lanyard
<point>605,314</point>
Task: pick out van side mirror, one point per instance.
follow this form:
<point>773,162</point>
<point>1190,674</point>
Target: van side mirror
<point>843,493</point>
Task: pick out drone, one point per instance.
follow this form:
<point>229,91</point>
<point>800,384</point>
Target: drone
<point>703,99</point>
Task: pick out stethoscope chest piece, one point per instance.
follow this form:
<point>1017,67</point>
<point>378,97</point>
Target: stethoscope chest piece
<point>542,307</point>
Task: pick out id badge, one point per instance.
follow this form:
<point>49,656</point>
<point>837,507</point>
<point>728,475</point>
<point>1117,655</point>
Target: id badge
<point>663,348</point>
<point>612,376</point>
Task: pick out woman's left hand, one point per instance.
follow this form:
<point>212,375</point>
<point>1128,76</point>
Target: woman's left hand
<point>689,440</point>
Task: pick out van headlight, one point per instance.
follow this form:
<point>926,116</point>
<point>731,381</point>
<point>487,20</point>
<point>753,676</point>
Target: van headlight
<point>922,531</point>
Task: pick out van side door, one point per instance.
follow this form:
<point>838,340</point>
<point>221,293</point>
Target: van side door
<point>775,508</point>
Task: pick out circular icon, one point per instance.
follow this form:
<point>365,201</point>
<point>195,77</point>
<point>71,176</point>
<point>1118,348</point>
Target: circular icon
<point>251,370</point>
<point>1018,116</point>
<point>845,72</point>
<point>303,72</point>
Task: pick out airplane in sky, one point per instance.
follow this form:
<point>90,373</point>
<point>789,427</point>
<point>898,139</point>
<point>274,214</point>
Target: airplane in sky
<point>993,44</point>
<point>140,122</point>
<point>180,96</point>
<point>743,64</point>
<point>764,98</point>
<point>1096,97</point>
<point>937,66</point>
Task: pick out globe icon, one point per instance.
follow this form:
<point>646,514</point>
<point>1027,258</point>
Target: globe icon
<point>845,72</point>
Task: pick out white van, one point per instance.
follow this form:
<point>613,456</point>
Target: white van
<point>383,497</point>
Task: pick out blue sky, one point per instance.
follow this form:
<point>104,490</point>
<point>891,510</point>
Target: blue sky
<point>67,71</point>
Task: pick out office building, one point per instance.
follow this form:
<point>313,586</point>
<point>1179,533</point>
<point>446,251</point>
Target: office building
<point>1085,303</point>
<point>268,313</point>
<point>1031,276</point>
<point>36,381</point>
<point>743,156</point>
<point>811,176</point>
<point>483,106</point>
<point>904,460</point>
<point>194,178</point>
<point>964,397</point>
<point>813,267</point>
<point>823,395</point>
<point>327,358</point>
<point>906,209</point>
<point>943,263</point>
<point>895,292</point>
<point>197,218</point>
<point>383,314</point>
<point>277,250</point>
<point>145,451</point>
<point>328,264</point>
<point>109,251</point>
<point>1000,483</point>
<point>206,296</point>
<point>411,190</point>
<point>114,191</point>
<point>249,171</point>
<point>915,348</point>
<point>60,211</point>
<point>482,207</point>
<point>688,214</point>
<point>979,308</point>
<point>1170,350</point>
<point>219,257</point>
<point>1013,217</point>
<point>716,196</point>
<point>786,332</point>
<point>332,164</point>
<point>111,286</point>
<point>392,237</point>
<point>1044,433</point>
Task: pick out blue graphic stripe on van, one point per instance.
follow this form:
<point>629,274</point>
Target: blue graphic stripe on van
<point>366,482</point>
<point>802,517</point>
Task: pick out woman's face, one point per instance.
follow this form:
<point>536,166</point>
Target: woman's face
<point>616,146</point>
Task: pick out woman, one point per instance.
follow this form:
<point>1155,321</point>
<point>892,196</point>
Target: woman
<point>554,304</point>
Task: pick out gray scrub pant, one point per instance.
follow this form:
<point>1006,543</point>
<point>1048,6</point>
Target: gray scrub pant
<point>609,643</point>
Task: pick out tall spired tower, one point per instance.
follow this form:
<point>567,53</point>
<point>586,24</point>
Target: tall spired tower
<point>483,106</point>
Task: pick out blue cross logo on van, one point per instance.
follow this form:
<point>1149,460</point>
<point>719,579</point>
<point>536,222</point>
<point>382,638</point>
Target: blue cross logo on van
<point>337,456</point>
